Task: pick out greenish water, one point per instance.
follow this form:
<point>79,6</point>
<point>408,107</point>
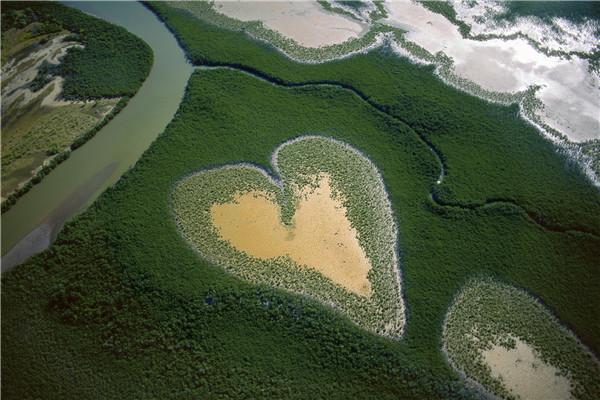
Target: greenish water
<point>34,221</point>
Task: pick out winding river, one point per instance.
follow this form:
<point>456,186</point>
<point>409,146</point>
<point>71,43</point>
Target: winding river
<point>33,223</point>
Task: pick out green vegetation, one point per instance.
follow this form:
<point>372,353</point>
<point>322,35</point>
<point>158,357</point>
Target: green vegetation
<point>22,29</point>
<point>147,302</point>
<point>577,11</point>
<point>352,4</point>
<point>104,65</point>
<point>44,132</point>
<point>591,148</point>
<point>122,306</point>
<point>487,313</point>
<point>489,152</point>
<point>379,12</point>
<point>69,127</point>
<point>113,62</point>
<point>204,11</point>
<point>298,162</point>
<point>444,8</point>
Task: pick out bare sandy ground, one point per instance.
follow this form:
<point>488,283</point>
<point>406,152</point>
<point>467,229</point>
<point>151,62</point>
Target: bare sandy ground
<point>306,22</point>
<point>16,76</point>
<point>321,236</point>
<point>569,92</point>
<point>525,375</point>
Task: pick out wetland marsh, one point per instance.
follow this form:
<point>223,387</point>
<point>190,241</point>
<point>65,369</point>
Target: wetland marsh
<point>119,143</point>
<point>474,242</point>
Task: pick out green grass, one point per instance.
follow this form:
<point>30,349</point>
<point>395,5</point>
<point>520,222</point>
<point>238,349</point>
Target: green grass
<point>352,4</point>
<point>122,294</point>
<point>444,8</point>
<point>45,131</point>
<point>577,11</point>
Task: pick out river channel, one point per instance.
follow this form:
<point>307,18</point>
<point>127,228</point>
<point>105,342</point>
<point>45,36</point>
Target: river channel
<point>33,223</point>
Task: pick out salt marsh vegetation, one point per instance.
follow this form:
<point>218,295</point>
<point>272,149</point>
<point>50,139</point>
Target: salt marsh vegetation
<point>320,46</point>
<point>59,86</point>
<point>556,78</point>
<point>306,22</point>
<point>493,330</point>
<point>312,169</point>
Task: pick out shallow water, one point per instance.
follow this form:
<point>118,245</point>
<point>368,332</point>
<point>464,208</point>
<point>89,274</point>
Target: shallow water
<point>120,143</point>
<point>571,95</point>
<point>320,237</point>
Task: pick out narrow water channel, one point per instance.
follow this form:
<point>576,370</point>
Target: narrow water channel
<point>33,223</point>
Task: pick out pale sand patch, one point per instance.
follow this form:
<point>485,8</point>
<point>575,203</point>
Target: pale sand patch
<point>16,80</point>
<point>320,237</point>
<point>306,22</point>
<point>569,92</point>
<point>525,375</point>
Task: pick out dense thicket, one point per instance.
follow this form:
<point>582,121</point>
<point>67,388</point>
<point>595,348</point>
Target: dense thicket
<point>144,299</point>
<point>489,151</point>
<point>122,283</point>
<point>122,306</point>
<point>113,62</point>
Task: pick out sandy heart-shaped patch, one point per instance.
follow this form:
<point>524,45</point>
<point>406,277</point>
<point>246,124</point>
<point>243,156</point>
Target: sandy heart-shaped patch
<point>324,228</point>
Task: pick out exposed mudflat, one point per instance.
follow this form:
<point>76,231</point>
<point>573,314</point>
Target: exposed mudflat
<point>569,92</point>
<point>17,75</point>
<point>320,237</point>
<point>525,375</point>
<point>306,22</point>
<point>37,124</point>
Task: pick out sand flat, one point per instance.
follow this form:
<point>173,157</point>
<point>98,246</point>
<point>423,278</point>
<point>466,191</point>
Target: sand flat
<point>525,375</point>
<point>320,237</point>
<point>306,22</point>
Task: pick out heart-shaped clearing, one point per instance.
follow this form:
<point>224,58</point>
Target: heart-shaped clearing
<point>319,237</point>
<point>325,230</point>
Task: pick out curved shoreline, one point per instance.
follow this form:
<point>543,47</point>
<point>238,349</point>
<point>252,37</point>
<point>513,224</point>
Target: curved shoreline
<point>547,311</point>
<point>394,38</point>
<point>51,163</point>
<point>275,177</point>
<point>120,142</point>
<point>439,156</point>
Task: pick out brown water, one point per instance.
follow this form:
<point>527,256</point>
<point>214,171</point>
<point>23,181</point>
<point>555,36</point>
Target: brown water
<point>320,237</point>
<point>116,147</point>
